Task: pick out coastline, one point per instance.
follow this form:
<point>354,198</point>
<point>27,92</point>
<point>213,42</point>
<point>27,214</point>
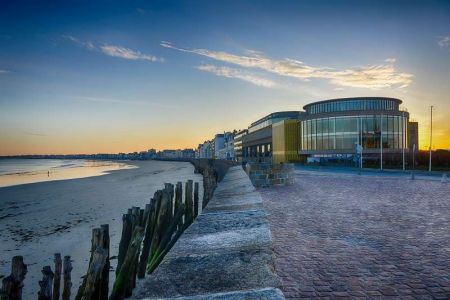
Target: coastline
<point>42,218</point>
<point>69,170</point>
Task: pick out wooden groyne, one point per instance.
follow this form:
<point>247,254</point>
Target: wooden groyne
<point>148,234</point>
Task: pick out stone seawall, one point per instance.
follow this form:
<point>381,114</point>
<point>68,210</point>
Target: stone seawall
<point>268,174</point>
<point>225,254</point>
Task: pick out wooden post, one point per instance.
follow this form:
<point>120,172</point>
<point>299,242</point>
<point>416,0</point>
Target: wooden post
<point>162,221</point>
<point>178,198</point>
<point>12,285</point>
<point>57,281</point>
<point>121,287</point>
<point>149,231</point>
<point>196,208</point>
<point>146,213</point>
<point>127,231</point>
<point>170,190</point>
<point>166,240</point>
<point>141,217</point>
<point>94,285</point>
<point>136,211</point>
<point>104,292</point>
<point>67,278</point>
<point>45,292</point>
<point>188,202</point>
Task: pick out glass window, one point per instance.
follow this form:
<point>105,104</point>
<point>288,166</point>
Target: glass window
<point>340,125</point>
<point>324,125</point>
<point>319,126</point>
<point>331,125</point>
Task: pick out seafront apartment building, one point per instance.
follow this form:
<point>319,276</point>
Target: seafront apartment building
<point>331,130</point>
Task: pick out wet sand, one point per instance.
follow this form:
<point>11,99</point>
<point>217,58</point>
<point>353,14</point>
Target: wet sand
<point>39,219</point>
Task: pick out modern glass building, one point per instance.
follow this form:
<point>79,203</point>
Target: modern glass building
<point>333,129</point>
<point>337,126</point>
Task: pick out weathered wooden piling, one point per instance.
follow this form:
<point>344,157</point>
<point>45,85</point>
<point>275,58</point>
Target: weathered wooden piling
<point>196,199</point>
<point>166,241</point>
<point>149,231</point>
<point>57,279</point>
<point>95,284</point>
<point>162,221</point>
<point>170,189</point>
<point>107,266</point>
<point>45,292</point>
<point>124,280</point>
<point>12,285</point>
<point>127,231</point>
<point>178,199</point>
<point>67,267</point>
<point>188,202</point>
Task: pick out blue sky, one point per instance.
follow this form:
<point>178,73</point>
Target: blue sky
<point>83,77</point>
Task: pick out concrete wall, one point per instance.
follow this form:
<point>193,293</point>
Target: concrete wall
<point>225,254</point>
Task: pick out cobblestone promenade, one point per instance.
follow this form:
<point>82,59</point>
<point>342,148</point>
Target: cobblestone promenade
<point>350,236</point>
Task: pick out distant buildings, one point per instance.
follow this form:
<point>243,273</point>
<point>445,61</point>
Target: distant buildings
<point>329,130</point>
<point>238,144</point>
<point>220,147</point>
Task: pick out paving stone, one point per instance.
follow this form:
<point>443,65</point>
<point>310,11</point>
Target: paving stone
<point>378,235</point>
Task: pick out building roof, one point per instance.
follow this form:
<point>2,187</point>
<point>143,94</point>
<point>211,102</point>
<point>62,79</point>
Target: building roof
<point>398,101</point>
<point>279,114</point>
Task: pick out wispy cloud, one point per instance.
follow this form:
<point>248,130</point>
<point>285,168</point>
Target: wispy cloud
<point>88,45</point>
<point>444,41</point>
<point>237,73</point>
<point>126,53</point>
<point>4,71</point>
<point>379,76</point>
<point>114,51</point>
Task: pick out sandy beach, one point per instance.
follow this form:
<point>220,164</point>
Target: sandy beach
<point>39,219</point>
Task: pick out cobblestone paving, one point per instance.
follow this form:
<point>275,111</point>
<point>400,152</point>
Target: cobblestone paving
<point>362,237</point>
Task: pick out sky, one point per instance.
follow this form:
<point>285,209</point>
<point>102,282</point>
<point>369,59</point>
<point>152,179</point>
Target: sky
<point>111,76</point>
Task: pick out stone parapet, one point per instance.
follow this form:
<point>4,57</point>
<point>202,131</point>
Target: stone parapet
<point>225,254</point>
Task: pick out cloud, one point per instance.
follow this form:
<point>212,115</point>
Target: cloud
<point>444,41</point>
<point>114,51</point>
<point>4,71</point>
<point>88,45</point>
<point>126,53</point>
<point>372,77</point>
<point>237,73</point>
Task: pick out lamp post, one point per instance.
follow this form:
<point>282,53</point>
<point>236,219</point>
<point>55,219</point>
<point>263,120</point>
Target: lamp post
<point>381,143</point>
<point>431,136</point>
<point>413,161</point>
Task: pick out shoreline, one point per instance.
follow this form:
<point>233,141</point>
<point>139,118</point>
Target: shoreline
<point>67,171</point>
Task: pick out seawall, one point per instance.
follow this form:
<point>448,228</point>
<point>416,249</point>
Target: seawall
<point>226,253</point>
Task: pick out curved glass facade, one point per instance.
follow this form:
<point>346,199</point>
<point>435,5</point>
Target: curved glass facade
<point>344,133</point>
<point>353,104</point>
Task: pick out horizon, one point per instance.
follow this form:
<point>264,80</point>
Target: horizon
<point>88,78</point>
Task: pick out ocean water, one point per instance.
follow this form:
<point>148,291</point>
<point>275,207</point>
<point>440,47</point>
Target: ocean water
<point>22,171</point>
<point>23,166</point>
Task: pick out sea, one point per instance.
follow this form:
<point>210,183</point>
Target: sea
<point>22,171</point>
